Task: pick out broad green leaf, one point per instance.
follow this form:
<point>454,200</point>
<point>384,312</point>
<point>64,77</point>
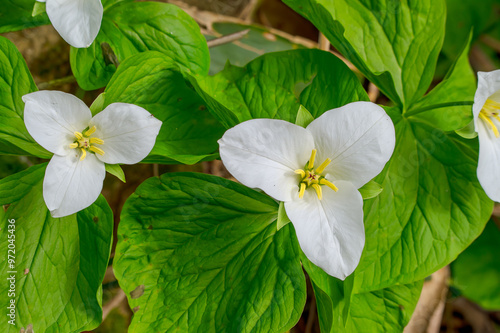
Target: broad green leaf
<point>476,271</point>
<point>464,16</point>
<point>256,42</point>
<point>15,81</point>
<point>59,263</point>
<point>370,190</point>
<point>17,15</point>
<point>116,170</point>
<point>129,28</point>
<point>432,207</point>
<point>340,309</point>
<point>151,80</point>
<point>449,105</point>
<point>199,253</point>
<point>394,43</point>
<point>276,84</point>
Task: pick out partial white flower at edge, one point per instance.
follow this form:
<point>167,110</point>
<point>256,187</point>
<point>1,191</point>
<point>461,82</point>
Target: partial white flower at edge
<point>316,171</point>
<point>82,144</point>
<point>486,110</point>
<point>77,21</point>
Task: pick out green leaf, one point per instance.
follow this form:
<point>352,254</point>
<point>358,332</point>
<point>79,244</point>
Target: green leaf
<point>431,209</point>
<point>476,271</point>
<point>59,263</point>
<point>151,80</point>
<point>17,15</point>
<point>394,43</point>
<point>15,81</point>
<point>304,117</point>
<point>282,217</point>
<point>256,42</point>
<point>129,28</point>
<point>98,104</point>
<point>468,132</point>
<point>276,84</point>
<point>207,254</point>
<point>464,16</point>
<point>38,8</point>
<point>449,105</point>
<point>340,309</point>
<point>370,190</point>
<point>116,170</point>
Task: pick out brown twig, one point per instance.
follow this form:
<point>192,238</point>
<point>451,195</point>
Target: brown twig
<point>227,38</point>
<point>373,92</point>
<point>114,303</point>
<point>429,311</point>
<point>323,42</point>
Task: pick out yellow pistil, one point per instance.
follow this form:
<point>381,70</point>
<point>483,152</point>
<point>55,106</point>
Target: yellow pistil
<point>86,143</point>
<point>490,110</point>
<point>313,178</point>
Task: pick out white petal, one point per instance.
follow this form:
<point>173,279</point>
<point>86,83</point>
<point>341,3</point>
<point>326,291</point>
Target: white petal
<point>264,153</point>
<point>359,138</point>
<point>52,117</point>
<point>488,86</point>
<point>488,171</point>
<point>71,185</point>
<point>129,133</point>
<point>77,21</point>
<point>330,231</point>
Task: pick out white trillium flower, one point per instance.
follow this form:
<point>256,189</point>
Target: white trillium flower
<point>77,21</point>
<point>352,144</point>
<point>82,144</point>
<point>486,109</point>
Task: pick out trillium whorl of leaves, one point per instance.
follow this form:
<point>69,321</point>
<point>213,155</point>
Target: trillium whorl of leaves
<point>351,145</point>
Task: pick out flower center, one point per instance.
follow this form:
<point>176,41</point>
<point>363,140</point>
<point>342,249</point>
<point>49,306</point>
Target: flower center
<point>86,143</point>
<point>313,178</point>
<point>490,110</point>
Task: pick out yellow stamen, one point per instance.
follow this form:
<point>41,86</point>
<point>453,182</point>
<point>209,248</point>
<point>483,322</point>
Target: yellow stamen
<point>302,190</point>
<point>84,153</point>
<point>300,172</point>
<point>78,135</point>
<point>491,103</point>
<point>323,181</point>
<point>96,150</point>
<point>490,123</point>
<point>96,141</point>
<point>90,131</point>
<point>73,145</point>
<point>310,165</point>
<point>323,165</point>
<point>317,188</point>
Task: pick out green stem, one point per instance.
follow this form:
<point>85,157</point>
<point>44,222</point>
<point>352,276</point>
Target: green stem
<point>436,106</point>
